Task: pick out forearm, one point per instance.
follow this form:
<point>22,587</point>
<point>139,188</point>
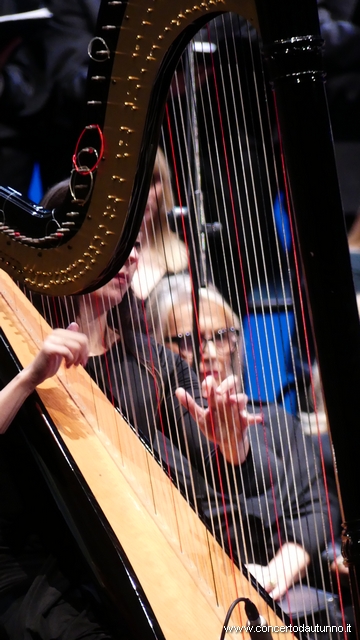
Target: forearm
<point>12,397</point>
<point>62,344</point>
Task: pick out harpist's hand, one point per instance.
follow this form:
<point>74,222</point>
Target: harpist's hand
<point>68,344</point>
<point>286,569</point>
<point>338,566</point>
<point>226,420</point>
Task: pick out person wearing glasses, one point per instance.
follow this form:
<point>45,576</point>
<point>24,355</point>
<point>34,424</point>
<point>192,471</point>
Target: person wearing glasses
<point>169,314</point>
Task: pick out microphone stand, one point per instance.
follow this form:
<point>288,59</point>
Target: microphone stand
<point>197,225</point>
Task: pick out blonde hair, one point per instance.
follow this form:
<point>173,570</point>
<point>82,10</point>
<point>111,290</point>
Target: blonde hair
<point>161,167</point>
<point>168,249</point>
<point>176,290</point>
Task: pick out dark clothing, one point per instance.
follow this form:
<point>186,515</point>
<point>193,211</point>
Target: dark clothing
<point>341,34</point>
<point>46,589</point>
<point>43,94</point>
<point>276,491</point>
<point>355,267</point>
<point>342,65</point>
<point>279,472</point>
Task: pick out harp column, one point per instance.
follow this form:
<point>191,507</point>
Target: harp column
<point>292,42</point>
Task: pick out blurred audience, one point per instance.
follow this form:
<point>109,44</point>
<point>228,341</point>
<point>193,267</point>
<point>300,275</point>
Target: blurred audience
<point>340,28</point>
<point>42,90</point>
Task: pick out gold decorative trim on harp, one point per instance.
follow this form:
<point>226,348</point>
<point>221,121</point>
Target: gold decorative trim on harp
<point>126,77</point>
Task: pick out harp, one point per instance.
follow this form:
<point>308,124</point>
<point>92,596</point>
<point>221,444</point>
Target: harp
<point>86,250</point>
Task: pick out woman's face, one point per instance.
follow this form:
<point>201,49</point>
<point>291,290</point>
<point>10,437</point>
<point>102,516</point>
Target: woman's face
<point>217,344</point>
<point>113,292</point>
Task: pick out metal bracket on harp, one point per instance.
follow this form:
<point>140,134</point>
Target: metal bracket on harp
<point>211,229</point>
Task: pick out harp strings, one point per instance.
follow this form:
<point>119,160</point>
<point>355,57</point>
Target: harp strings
<point>268,291</point>
<point>194,203</point>
<point>223,149</point>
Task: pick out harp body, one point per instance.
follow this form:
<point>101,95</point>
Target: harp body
<point>179,590</point>
<point>194,596</point>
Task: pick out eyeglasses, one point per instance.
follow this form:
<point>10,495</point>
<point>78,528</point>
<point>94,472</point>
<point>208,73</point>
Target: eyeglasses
<point>225,341</point>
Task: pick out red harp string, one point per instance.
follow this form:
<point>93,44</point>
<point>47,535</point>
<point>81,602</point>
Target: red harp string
<point>239,254</point>
<point>302,304</point>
